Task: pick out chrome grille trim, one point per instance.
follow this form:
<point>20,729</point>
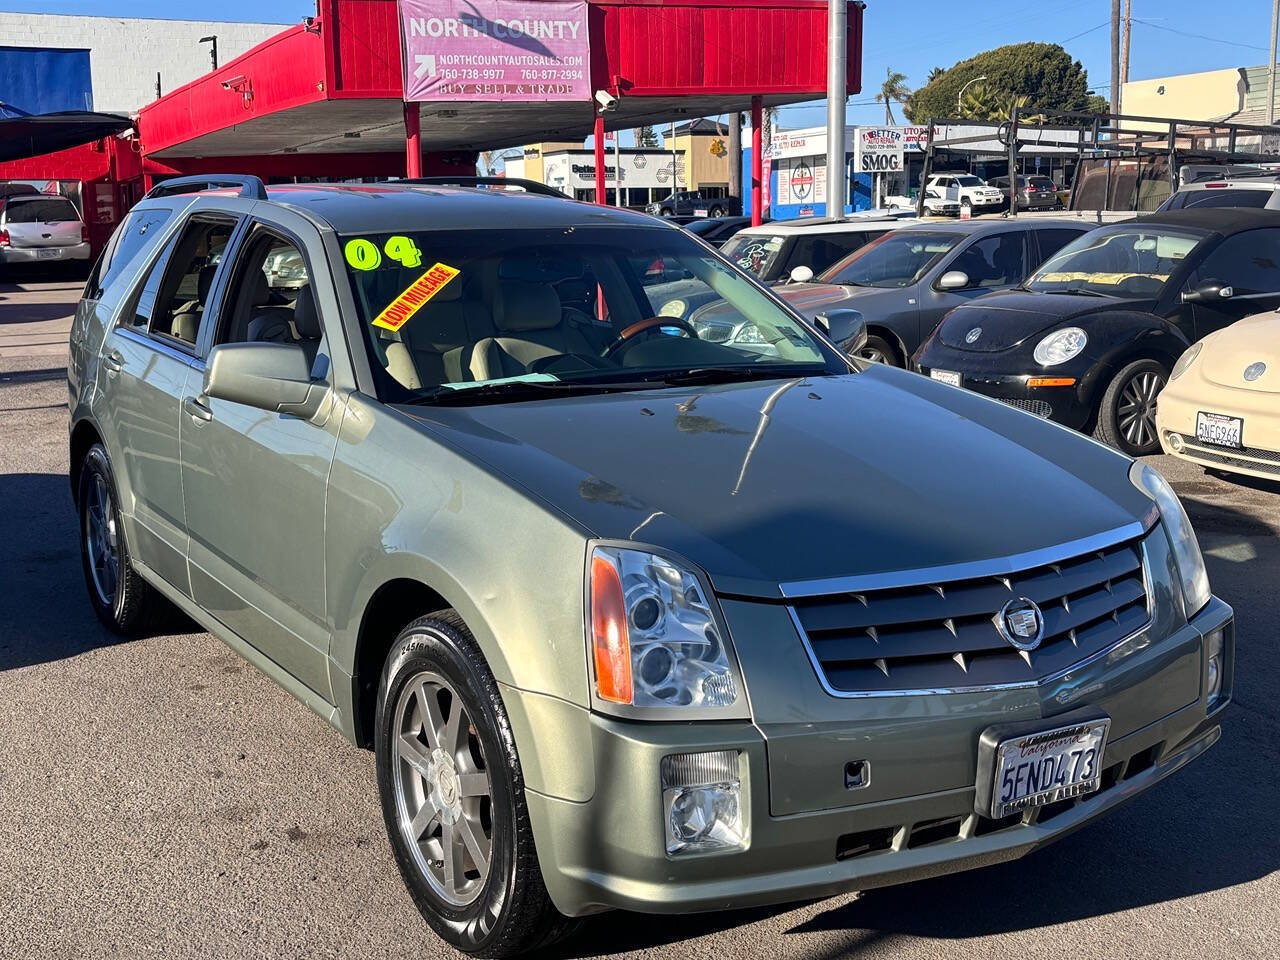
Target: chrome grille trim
<point>960,686</point>
<point>969,570</point>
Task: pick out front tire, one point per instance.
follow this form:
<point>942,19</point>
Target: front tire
<point>125,603</point>
<point>453,795</point>
<point>1127,413</point>
<point>879,350</point>
<point>715,212</point>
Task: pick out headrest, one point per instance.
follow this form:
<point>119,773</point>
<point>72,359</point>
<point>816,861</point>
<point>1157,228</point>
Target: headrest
<point>205,282</point>
<point>305,317</point>
<point>523,305</point>
<point>261,290</point>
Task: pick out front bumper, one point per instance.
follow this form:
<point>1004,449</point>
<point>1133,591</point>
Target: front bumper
<point>609,851</point>
<point>1005,377</point>
<point>29,255</point>
<point>1190,394</point>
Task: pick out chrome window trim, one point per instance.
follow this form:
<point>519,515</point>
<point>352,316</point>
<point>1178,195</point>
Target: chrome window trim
<point>147,340</point>
<point>967,570</point>
<point>984,687</point>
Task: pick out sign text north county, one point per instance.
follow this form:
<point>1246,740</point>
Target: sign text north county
<point>495,50</point>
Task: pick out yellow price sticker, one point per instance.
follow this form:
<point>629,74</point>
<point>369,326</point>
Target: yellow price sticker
<point>362,254</point>
<point>403,251</point>
<point>401,310</point>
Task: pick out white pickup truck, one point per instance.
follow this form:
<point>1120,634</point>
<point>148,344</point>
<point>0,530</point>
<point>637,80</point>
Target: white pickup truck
<point>972,192</point>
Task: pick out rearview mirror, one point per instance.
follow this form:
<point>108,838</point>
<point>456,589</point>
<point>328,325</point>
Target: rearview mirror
<point>845,328</point>
<point>269,376</point>
<point>1208,292</point>
<point>953,280</point>
<point>801,274</point>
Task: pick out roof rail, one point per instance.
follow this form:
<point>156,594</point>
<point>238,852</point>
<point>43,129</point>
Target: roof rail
<point>251,187</point>
<point>528,186</point>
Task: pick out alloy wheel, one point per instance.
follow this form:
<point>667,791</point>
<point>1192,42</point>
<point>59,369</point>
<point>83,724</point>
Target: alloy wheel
<point>102,541</point>
<point>1136,410</point>
<point>443,797</point>
<point>873,354</point>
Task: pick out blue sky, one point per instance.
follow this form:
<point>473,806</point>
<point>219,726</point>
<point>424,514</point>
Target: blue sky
<point>916,35</point>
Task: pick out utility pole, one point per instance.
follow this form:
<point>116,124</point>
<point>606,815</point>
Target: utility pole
<point>837,85</point>
<point>1271,67</point>
<point>1115,56</point>
<point>1124,48</point>
<point>617,169</point>
<point>675,169</point>
<point>735,155</point>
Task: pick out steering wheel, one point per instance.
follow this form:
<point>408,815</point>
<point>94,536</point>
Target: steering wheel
<point>630,333</point>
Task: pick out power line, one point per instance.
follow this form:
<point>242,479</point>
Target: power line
<point>1085,33</point>
<point>1197,36</point>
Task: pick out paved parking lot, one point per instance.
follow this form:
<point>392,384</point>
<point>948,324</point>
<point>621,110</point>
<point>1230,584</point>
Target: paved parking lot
<point>161,797</point>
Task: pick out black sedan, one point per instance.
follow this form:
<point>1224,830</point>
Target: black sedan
<point>1089,340</point>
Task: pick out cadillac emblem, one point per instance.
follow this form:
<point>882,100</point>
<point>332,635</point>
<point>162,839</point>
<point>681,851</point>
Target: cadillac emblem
<point>1021,624</point>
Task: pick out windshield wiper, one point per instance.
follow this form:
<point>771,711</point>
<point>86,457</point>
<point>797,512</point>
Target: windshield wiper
<point>700,375</point>
<point>1079,292</point>
<point>524,390</point>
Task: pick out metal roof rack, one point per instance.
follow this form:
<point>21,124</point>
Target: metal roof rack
<point>1163,145</point>
<point>528,186</point>
<point>251,187</point>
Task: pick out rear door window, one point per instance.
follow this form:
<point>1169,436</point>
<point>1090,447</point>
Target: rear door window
<point>1249,262</point>
<point>1051,241</point>
<point>818,253</point>
<point>996,261</point>
<point>177,289</point>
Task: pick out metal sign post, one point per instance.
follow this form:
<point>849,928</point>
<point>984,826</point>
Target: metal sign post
<point>837,38</point>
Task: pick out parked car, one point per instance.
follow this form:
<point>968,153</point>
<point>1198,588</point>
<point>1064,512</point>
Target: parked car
<point>41,229</point>
<point>1221,407</point>
<point>1260,190</point>
<point>904,282</point>
<point>695,203</point>
<point>630,619</point>
<point>1034,192</point>
<point>1090,340</point>
<point>934,203</point>
<point>970,191</point>
<point>773,252</point>
<point>716,230</point>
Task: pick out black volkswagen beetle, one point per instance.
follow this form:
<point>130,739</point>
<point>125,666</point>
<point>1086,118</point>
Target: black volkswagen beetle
<point>1090,338</point>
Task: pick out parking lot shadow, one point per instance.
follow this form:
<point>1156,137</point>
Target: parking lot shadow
<point>44,614</point>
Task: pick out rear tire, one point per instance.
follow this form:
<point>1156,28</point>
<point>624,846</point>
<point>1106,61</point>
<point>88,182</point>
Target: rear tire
<point>453,795</point>
<point>716,212</point>
<point>125,603</point>
<point>1127,413</point>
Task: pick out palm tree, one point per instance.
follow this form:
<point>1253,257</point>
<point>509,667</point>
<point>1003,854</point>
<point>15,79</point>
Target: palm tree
<point>893,88</point>
<point>980,102</point>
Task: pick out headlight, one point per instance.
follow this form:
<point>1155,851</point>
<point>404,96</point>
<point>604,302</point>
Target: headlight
<point>1186,549</point>
<point>654,639</point>
<point>748,333</point>
<point>1060,346</point>
<point>1186,360</point>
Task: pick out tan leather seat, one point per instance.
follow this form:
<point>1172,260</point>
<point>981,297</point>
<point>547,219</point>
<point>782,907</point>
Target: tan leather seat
<point>530,327</point>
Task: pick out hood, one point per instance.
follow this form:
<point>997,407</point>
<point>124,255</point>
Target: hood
<point>793,480</point>
<point>808,299</point>
<point>1009,317</point>
<point>1229,352</point>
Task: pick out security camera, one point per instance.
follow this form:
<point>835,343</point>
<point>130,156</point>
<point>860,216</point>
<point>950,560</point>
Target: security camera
<point>233,83</point>
<point>606,100</point>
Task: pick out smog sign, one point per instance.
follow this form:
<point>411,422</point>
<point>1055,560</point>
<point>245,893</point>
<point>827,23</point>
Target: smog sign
<point>878,150</point>
<point>495,50</point>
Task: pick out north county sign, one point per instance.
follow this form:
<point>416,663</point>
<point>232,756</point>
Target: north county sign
<point>878,150</point>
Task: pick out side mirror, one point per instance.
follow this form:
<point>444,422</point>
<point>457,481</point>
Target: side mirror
<point>801,274</point>
<point>1208,292</point>
<point>953,280</point>
<point>845,328</point>
<point>269,376</point>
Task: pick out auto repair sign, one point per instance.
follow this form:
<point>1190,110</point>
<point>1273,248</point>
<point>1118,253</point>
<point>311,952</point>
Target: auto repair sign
<point>494,50</point>
<point>878,150</point>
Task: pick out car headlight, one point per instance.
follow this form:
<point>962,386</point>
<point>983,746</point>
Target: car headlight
<point>1186,549</point>
<point>655,641</point>
<point>748,334</point>
<point>1186,360</point>
<point>1060,346</point>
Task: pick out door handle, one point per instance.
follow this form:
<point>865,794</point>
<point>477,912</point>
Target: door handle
<point>113,361</point>
<point>197,410</point>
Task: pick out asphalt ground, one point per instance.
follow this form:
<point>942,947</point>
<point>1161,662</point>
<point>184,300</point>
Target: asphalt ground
<point>160,797</point>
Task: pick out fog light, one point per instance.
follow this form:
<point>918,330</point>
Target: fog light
<point>702,802</point>
<point>1214,645</point>
<point>1174,440</point>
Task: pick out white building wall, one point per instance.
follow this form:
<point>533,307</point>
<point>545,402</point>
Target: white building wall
<point>125,54</point>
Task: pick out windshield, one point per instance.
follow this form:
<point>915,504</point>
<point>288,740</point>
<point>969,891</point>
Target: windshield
<point>754,252</point>
<point>444,313</point>
<point>1128,261</point>
<point>897,259</point>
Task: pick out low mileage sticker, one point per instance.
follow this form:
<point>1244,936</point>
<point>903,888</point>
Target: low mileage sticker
<point>401,310</point>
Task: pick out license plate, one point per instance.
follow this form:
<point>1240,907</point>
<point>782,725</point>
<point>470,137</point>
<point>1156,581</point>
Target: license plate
<point>1047,766</point>
<point>946,376</point>
<point>700,213</point>
<point>53,253</point>
<point>1219,430</point>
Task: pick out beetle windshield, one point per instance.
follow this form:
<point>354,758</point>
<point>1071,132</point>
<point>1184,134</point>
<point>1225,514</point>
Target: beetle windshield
<point>897,259</point>
<point>445,312</point>
<point>1121,261</point>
